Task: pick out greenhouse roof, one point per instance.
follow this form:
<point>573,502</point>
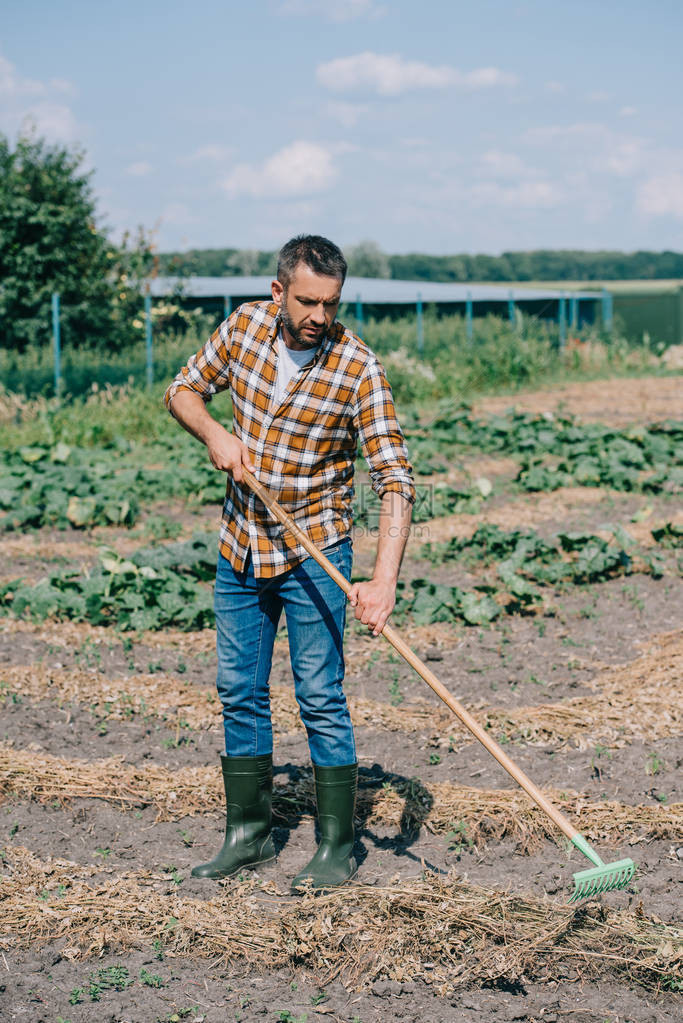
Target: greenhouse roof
<point>369,290</point>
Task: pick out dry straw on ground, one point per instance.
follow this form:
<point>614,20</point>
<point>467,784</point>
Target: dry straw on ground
<point>441,931</point>
<point>642,699</point>
<point>402,803</point>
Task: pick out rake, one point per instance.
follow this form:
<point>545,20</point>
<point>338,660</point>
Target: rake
<point>602,877</point>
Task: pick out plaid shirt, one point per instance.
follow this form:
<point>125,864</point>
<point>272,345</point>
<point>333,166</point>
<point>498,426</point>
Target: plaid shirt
<point>304,449</point>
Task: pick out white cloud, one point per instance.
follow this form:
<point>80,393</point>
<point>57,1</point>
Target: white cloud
<point>391,75</point>
<point>299,169</point>
<point>661,195</point>
<point>140,169</point>
<point>335,10</point>
<point>628,111</point>
<point>27,104</point>
<point>599,96</point>
<point>13,85</point>
<point>557,87</point>
<point>55,121</point>
<point>529,194</point>
<point>347,114</point>
<point>596,146</point>
<point>504,165</point>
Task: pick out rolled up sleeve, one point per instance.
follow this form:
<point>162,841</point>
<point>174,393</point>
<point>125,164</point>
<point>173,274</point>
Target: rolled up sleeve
<point>382,441</point>
<point>208,371</point>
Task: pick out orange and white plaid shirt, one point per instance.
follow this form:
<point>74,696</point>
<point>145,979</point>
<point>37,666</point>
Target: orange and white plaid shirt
<point>303,449</point>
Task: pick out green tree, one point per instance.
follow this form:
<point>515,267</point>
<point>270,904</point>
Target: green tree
<point>50,241</point>
<point>367,260</point>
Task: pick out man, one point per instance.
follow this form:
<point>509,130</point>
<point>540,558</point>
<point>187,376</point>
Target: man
<point>304,391</point>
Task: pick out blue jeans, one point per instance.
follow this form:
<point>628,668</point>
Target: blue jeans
<point>247,614</point>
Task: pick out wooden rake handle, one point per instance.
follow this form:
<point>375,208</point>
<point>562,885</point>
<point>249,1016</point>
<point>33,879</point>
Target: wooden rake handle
<point>420,667</point>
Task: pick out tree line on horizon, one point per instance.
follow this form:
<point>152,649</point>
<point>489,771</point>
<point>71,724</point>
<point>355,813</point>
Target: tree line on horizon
<point>368,260</point>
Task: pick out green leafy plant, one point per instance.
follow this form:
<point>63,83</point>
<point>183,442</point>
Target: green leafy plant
<point>151,979</point>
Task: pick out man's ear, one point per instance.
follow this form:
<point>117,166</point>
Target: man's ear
<point>277,292</point>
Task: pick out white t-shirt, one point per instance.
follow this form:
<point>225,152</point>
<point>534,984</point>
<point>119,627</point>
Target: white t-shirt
<point>289,362</point>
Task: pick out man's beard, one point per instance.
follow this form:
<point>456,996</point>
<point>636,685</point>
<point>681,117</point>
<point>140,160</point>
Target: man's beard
<point>297,334</point>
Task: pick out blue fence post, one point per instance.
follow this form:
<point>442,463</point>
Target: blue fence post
<point>511,307</point>
<point>56,343</point>
<point>562,320</point>
<point>227,306</point>
<point>468,316</point>
<point>420,327</point>
<point>607,311</point>
<point>359,312</point>
<point>148,338</point>
<point>574,312</point>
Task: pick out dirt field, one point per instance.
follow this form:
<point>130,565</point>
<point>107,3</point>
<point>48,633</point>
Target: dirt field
<point>109,783</point>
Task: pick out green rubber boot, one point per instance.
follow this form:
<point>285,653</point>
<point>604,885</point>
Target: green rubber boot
<point>333,863</point>
<point>248,783</point>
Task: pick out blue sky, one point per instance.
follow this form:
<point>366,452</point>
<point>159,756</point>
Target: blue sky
<point>433,126</point>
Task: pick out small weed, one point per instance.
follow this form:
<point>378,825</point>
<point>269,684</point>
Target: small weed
<point>176,876</point>
<point>395,694</point>
<point>187,838</point>
<point>151,979</point>
<point>109,978</point>
<point>535,680</point>
<point>158,947</point>
<point>458,839</point>
<point>600,751</point>
<point>540,628</point>
<point>633,596</point>
<point>287,1017</point>
<point>103,851</point>
<point>180,1014</point>
<point>13,830</point>
<point>654,765</point>
<point>102,728</point>
<point>319,998</point>
<point>88,654</point>
<point>154,666</point>
<point>181,667</point>
<point>434,759</point>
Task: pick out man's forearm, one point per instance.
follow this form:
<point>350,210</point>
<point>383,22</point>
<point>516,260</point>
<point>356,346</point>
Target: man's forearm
<point>394,525</point>
<point>226,452</point>
<point>190,410</point>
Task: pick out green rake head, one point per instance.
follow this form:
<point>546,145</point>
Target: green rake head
<point>606,878</point>
<point>603,877</point>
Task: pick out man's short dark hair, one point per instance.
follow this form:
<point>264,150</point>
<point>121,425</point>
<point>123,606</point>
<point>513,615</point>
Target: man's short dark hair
<point>320,254</point>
